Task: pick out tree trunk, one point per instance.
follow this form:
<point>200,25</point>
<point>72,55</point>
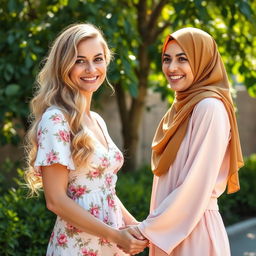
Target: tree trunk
<point>131,117</point>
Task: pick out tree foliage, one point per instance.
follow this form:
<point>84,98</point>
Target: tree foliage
<point>135,30</point>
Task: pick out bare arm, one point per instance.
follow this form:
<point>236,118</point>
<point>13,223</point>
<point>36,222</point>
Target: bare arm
<point>128,218</point>
<point>55,181</point>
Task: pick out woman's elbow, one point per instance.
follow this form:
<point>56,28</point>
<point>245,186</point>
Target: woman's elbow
<point>53,205</point>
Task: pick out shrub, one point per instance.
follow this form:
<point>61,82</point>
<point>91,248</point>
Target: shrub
<point>134,190</point>
<point>25,224</point>
<point>242,204</point>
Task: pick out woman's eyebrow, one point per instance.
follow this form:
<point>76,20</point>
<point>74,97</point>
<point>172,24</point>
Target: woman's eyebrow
<point>80,56</point>
<point>180,54</point>
<point>177,55</point>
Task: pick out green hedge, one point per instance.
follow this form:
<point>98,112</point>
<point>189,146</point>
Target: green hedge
<point>26,224</point>
<point>242,204</point>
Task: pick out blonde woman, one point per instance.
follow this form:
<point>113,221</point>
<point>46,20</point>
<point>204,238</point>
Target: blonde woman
<point>71,154</point>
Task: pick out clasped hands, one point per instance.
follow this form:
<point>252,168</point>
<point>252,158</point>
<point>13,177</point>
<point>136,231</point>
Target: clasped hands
<point>131,240</point>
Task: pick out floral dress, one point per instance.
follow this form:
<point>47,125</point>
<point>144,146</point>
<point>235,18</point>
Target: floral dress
<point>93,187</point>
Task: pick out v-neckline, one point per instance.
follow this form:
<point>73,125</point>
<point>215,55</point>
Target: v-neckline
<point>107,148</point>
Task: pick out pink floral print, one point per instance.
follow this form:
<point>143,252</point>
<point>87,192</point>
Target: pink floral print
<point>71,230</point>
<point>52,157</point>
<point>90,252</point>
<point>118,157</point>
<point>57,119</point>
<point>107,220</point>
<point>63,136</point>
<point>77,191</point>
<point>94,210</point>
<point>103,241</point>
<point>95,173</point>
<point>104,162</point>
<point>40,134</point>
<point>108,180</point>
<point>62,240</point>
<point>111,202</point>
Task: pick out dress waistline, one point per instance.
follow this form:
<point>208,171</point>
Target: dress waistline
<point>213,204</point>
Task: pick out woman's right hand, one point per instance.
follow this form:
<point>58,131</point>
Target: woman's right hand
<point>127,241</point>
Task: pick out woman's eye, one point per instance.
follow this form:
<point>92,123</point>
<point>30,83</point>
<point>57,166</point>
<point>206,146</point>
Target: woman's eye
<point>79,61</point>
<point>166,60</point>
<point>183,59</point>
<point>99,59</point>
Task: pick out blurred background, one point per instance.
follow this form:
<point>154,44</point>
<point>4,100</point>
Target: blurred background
<point>135,31</point>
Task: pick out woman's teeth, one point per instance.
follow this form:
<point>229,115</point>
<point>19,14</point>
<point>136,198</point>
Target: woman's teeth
<point>176,77</point>
<point>89,78</point>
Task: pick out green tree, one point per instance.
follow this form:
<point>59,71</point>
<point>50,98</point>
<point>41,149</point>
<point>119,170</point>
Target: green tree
<point>135,30</point>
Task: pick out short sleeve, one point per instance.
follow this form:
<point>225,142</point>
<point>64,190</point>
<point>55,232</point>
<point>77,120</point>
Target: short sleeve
<point>53,140</point>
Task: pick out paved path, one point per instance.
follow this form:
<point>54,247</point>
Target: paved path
<point>242,237</point>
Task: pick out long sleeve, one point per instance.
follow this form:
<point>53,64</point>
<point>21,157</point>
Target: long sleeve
<point>178,213</point>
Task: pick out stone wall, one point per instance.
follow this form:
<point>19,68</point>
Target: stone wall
<point>246,118</point>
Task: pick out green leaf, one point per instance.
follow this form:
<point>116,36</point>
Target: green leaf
<point>8,72</point>
<point>73,4</point>
<point>178,6</point>
<point>12,89</point>
<point>198,3</point>
<point>133,89</point>
<point>10,38</point>
<point>245,9</point>
<point>12,5</point>
<point>242,69</point>
<point>28,61</point>
<point>224,11</point>
<point>252,88</point>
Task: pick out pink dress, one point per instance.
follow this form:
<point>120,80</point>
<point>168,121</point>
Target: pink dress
<point>93,187</point>
<point>184,219</point>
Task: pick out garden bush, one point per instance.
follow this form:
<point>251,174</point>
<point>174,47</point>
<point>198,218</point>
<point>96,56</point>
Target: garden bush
<point>26,224</point>
<point>242,204</point>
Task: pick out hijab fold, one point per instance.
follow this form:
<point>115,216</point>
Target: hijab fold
<point>210,81</point>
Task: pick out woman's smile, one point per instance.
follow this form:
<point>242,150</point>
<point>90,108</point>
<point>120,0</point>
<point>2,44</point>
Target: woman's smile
<point>90,79</point>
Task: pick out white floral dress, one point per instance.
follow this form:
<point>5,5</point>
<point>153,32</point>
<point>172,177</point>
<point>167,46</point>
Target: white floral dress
<point>93,188</point>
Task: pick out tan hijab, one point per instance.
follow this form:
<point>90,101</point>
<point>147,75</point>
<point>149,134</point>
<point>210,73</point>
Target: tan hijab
<point>210,80</point>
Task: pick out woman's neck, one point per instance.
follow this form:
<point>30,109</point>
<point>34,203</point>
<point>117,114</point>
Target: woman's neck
<point>88,100</point>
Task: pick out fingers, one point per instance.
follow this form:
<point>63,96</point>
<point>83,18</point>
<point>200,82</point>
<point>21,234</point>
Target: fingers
<point>130,244</point>
<point>133,230</point>
<point>132,250</point>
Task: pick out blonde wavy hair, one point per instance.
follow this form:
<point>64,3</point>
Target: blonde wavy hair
<point>54,87</point>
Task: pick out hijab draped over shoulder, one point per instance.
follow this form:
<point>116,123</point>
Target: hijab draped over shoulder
<point>210,80</point>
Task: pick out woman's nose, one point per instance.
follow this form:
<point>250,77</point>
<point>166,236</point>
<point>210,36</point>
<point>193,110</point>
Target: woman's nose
<point>172,66</point>
<point>89,68</point>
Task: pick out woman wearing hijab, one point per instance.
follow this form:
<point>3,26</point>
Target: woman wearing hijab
<point>195,152</point>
